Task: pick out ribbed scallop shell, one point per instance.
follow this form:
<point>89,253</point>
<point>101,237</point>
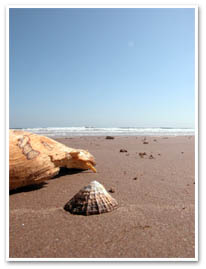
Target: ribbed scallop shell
<point>92,199</point>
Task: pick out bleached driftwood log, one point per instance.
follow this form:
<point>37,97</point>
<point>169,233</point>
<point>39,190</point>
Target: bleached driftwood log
<point>34,158</point>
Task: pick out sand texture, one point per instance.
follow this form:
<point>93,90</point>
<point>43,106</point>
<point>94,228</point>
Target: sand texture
<point>153,182</point>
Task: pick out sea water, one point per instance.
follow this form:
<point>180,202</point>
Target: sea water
<point>118,131</point>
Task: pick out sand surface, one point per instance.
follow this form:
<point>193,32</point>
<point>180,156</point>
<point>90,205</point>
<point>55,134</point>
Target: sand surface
<point>156,196</point>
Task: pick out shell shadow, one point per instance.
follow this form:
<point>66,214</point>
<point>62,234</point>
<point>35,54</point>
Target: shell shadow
<point>28,188</point>
<point>67,171</point>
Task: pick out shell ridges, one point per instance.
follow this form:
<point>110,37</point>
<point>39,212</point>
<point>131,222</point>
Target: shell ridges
<point>90,200</point>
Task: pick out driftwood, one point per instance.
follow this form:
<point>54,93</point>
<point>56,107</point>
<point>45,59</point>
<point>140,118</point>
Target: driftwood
<point>34,158</point>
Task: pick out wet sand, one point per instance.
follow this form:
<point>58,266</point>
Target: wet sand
<point>154,184</point>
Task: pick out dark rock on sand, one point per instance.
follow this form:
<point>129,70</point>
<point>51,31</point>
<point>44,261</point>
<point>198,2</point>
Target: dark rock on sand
<point>142,154</point>
<point>112,190</point>
<point>123,150</point>
<point>109,137</point>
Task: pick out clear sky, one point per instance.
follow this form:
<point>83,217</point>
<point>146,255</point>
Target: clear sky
<point>102,67</point>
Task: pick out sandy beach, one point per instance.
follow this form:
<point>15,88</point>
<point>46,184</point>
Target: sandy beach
<point>153,183</point>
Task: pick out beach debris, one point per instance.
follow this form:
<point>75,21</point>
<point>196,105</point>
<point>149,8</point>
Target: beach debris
<point>151,156</point>
<point>145,142</point>
<point>143,227</point>
<point>112,190</point>
<point>90,200</point>
<point>142,154</point>
<point>123,150</point>
<point>109,137</point>
<point>34,158</point>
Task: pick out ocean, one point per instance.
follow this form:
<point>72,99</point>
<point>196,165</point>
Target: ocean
<point>119,131</point>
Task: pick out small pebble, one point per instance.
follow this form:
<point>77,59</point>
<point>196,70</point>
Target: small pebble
<point>145,142</point>
<point>123,150</point>
<point>109,137</point>
<point>142,154</point>
<point>112,190</point>
<point>135,178</point>
<point>151,157</point>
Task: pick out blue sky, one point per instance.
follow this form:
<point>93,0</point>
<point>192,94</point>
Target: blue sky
<point>102,67</point>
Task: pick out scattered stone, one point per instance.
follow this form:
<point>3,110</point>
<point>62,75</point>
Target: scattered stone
<point>183,207</point>
<point>155,140</point>
<point>145,142</point>
<point>159,154</point>
<point>182,152</point>
<point>151,157</point>
<point>193,182</point>
<point>123,150</point>
<point>112,190</point>
<point>143,227</point>
<point>135,178</point>
<point>109,137</point>
<point>142,154</point>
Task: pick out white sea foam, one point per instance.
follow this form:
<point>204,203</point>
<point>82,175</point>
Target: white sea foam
<point>93,131</point>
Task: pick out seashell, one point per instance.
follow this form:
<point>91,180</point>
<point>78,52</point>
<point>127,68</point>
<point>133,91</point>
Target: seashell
<point>34,158</point>
<point>90,200</point>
